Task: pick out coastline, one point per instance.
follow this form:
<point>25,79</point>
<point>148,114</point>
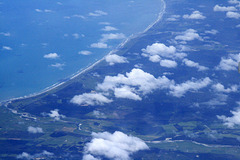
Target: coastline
<point>90,66</point>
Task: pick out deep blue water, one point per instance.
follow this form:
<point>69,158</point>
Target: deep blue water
<point>31,29</point>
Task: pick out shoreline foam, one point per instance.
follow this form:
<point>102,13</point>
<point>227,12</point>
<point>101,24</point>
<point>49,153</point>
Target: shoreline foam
<point>90,66</point>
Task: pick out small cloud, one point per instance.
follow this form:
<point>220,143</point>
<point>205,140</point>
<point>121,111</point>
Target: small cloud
<point>7,48</point>
<point>173,18</point>
<point>188,35</point>
<point>234,2</point>
<point>180,89</point>
<point>58,65</point>
<point>168,63</point>
<point>98,114</point>
<point>104,23</point>
<point>112,36</point>
<point>213,31</point>
<point>38,10</point>
<point>194,15</point>
<point>54,114</point>
<point>218,8</point>
<point>34,130</point>
<point>109,28</point>
<point>45,10</point>
<point>154,58</point>
<point>99,45</point>
<point>79,16</point>
<point>44,155</point>
<point>190,63</point>
<point>234,15</point>
<point>233,121</point>
<point>220,88</point>
<point>112,146</point>
<point>51,56</point>
<point>85,53</point>
<point>6,34</point>
<point>90,99</point>
<point>75,35</point>
<point>229,63</point>
<point>113,59</point>
<point>98,13</point>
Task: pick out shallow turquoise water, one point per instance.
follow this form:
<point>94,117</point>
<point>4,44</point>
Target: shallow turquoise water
<point>31,29</point>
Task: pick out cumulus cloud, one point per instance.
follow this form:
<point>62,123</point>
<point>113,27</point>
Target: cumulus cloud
<point>219,100</point>
<point>223,8</point>
<point>99,114</point>
<point>117,146</point>
<point>229,63</point>
<point>99,45</point>
<point>168,63</point>
<point>194,15</point>
<point>173,18</point>
<point>158,50</point>
<point>113,58</point>
<point>231,122</point>
<point>112,36</point>
<point>98,13</point>
<point>7,48</point>
<point>233,15</point>
<point>234,2</point>
<point>58,65</point>
<point>190,63</point>
<point>85,53</point>
<point>76,35</point>
<point>45,10</point>
<point>144,81</point>
<point>126,92</point>
<point>213,31</point>
<point>6,34</point>
<point>54,114</point>
<point>51,56</point>
<point>90,99</point>
<point>109,28</point>
<point>188,35</point>
<point>35,130</point>
<point>220,88</point>
<point>180,89</point>
<point>44,154</point>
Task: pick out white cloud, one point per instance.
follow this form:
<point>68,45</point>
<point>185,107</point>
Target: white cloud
<point>173,18</point>
<point>213,31</point>
<point>90,99</point>
<point>113,58</point>
<point>6,34</point>
<point>144,81</point>
<point>51,56</point>
<point>45,10</point>
<point>44,154</point>
<point>78,16</point>
<point>218,101</point>
<point>99,45</point>
<point>117,146</point>
<point>190,63</point>
<point>220,88</point>
<point>76,35</point>
<point>85,53</point>
<point>233,15</point>
<point>161,50</point>
<point>231,121</point>
<point>223,8</point>
<point>188,35</point>
<point>180,89</point>
<point>234,2</point>
<point>109,28</point>
<point>229,63</point>
<point>35,130</point>
<point>104,23</point>
<point>194,15</point>
<point>98,13</point>
<point>99,114</point>
<point>58,65</point>
<point>238,26</point>
<point>126,92</point>
<point>112,36</point>
<point>54,114</point>
<point>6,48</point>
<point>168,63</point>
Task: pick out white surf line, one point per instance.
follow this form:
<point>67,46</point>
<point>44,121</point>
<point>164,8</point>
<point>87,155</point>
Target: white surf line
<point>81,71</point>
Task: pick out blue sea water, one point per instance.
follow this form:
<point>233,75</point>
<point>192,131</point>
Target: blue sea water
<point>31,29</point>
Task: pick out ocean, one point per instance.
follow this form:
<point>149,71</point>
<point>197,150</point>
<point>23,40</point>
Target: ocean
<point>43,42</point>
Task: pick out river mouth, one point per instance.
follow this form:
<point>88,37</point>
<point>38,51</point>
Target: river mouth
<point>68,29</point>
